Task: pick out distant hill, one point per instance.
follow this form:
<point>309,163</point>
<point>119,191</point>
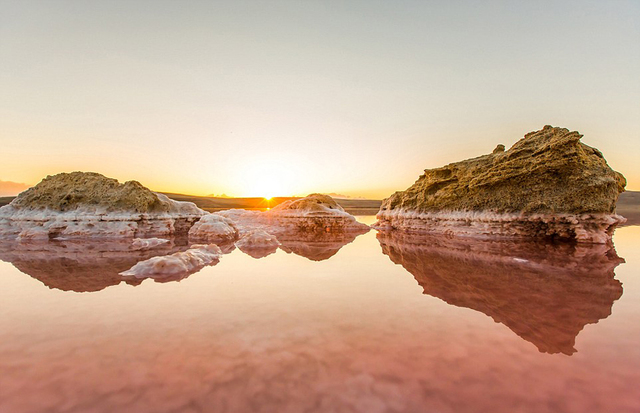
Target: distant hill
<point>629,207</point>
<point>4,200</point>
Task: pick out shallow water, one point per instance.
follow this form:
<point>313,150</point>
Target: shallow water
<point>382,324</point>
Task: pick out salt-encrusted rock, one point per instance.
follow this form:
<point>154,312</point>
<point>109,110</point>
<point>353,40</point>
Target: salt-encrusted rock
<point>87,204</point>
<point>545,292</point>
<point>258,244</point>
<point>548,184</point>
<point>176,266</point>
<point>314,213</point>
<point>213,228</point>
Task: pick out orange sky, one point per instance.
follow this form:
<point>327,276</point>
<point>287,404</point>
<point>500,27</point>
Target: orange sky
<point>280,98</point>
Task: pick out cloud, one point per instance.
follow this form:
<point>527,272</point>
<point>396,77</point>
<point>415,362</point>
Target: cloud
<point>8,188</point>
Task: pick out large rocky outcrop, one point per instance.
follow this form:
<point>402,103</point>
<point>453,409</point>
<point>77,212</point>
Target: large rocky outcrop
<point>87,204</point>
<point>548,184</point>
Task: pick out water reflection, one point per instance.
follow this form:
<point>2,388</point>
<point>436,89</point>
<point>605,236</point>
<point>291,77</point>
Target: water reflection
<point>316,246</point>
<point>89,266</point>
<point>258,251</point>
<point>80,266</point>
<point>545,293</point>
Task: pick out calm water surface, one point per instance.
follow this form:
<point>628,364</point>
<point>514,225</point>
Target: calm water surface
<point>385,324</point>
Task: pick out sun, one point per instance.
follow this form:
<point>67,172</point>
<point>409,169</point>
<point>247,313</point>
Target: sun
<point>267,179</point>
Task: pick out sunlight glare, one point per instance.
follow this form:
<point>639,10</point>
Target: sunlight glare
<point>268,178</point>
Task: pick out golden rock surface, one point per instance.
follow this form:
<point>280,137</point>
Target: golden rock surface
<point>547,171</point>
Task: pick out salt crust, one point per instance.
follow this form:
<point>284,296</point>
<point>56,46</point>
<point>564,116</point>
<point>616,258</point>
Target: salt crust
<point>280,221</point>
<point>213,228</point>
<point>88,221</point>
<point>314,213</point>
<point>185,262</point>
<point>588,228</point>
<point>147,243</point>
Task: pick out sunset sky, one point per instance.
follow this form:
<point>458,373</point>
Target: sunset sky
<point>267,98</point>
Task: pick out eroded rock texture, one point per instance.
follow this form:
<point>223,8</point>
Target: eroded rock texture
<point>548,184</point>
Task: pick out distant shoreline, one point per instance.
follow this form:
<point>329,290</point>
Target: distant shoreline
<point>629,207</point>
<point>628,204</point>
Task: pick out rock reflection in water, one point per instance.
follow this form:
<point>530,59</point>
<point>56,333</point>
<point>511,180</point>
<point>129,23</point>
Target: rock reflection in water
<point>89,266</point>
<point>81,266</point>
<point>545,293</point>
<point>317,246</point>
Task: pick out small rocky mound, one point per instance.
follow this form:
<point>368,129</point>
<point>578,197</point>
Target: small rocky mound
<point>547,176</point>
<point>69,191</point>
<point>311,203</point>
<point>213,228</point>
<point>314,213</point>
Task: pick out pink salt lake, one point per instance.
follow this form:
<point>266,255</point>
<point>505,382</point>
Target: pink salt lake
<point>383,324</point>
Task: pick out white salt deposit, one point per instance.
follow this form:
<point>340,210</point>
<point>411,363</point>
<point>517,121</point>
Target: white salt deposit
<point>213,228</point>
<point>279,221</point>
<point>89,221</point>
<point>147,243</point>
<point>186,262</point>
<point>589,228</point>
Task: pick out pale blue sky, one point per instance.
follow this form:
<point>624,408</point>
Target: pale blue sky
<point>278,98</point>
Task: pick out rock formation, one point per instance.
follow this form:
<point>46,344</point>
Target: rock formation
<point>548,184</point>
<point>316,226</point>
<point>213,228</point>
<point>544,292</point>
<point>314,213</point>
<point>86,204</point>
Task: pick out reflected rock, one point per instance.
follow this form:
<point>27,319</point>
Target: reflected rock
<point>317,246</point>
<point>544,292</point>
<point>258,244</point>
<point>79,266</point>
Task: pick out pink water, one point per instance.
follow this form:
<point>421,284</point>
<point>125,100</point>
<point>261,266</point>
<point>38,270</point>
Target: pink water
<point>383,325</point>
